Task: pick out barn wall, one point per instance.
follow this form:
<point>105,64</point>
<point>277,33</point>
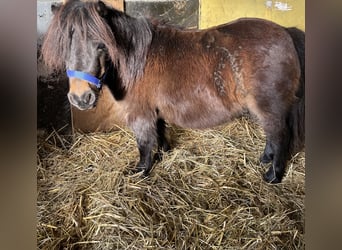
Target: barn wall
<point>286,13</point>
<point>178,12</point>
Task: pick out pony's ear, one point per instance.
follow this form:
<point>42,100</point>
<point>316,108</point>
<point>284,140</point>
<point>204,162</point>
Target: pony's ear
<point>102,9</point>
<point>55,7</point>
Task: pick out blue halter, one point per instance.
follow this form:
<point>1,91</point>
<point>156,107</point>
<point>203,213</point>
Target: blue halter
<point>85,76</point>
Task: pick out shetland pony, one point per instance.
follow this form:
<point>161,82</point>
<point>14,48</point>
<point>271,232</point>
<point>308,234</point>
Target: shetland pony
<point>191,78</point>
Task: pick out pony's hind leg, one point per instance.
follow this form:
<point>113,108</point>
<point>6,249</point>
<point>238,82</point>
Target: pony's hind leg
<point>272,114</point>
<point>277,147</point>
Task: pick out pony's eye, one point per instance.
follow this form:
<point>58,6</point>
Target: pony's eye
<point>101,47</point>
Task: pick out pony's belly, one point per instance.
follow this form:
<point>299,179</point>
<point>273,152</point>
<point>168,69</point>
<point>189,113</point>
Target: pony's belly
<point>201,119</point>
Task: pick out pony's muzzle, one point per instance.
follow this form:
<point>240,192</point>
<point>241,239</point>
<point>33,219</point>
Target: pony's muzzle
<point>85,101</point>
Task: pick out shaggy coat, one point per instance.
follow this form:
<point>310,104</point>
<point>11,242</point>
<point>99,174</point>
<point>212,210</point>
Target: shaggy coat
<point>192,78</point>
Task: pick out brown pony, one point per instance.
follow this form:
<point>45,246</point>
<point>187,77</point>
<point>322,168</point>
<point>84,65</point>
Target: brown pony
<point>192,78</point>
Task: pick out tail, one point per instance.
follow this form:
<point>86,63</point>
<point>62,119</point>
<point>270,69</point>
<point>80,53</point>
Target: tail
<point>297,114</point>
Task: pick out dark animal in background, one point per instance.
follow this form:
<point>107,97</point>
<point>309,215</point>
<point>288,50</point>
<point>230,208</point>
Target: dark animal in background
<point>190,78</point>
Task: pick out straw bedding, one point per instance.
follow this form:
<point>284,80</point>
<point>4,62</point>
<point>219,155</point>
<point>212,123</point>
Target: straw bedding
<point>206,193</point>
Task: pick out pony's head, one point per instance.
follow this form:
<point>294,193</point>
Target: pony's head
<point>85,38</point>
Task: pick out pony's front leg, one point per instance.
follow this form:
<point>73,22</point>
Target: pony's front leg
<point>267,155</point>
<point>145,162</point>
<point>163,143</point>
<point>145,133</point>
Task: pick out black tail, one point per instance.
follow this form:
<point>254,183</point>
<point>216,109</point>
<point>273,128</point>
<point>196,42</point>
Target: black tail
<point>297,115</point>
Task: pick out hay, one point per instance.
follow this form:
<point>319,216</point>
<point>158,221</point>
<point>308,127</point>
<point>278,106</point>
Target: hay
<point>207,193</point>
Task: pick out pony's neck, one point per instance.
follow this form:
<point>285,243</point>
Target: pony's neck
<point>133,38</point>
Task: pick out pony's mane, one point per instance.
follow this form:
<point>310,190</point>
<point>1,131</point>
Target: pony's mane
<point>127,39</point>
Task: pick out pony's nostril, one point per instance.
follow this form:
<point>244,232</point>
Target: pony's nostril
<point>71,98</point>
<point>89,98</point>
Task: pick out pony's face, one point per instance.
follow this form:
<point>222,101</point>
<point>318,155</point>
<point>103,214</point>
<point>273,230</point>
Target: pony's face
<point>89,59</point>
<point>75,40</point>
<point>85,37</point>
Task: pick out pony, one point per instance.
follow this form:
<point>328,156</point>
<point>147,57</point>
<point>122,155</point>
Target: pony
<point>162,74</point>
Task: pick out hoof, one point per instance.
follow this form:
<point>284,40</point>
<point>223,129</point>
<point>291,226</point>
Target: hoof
<point>166,147</point>
<point>157,157</point>
<point>143,172</point>
<point>141,169</point>
<point>146,173</point>
<point>270,177</point>
<point>265,158</point>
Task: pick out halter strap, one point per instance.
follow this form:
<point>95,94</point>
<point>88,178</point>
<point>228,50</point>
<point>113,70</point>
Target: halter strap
<point>84,76</point>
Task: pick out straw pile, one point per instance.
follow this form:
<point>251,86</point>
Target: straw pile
<point>207,193</point>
